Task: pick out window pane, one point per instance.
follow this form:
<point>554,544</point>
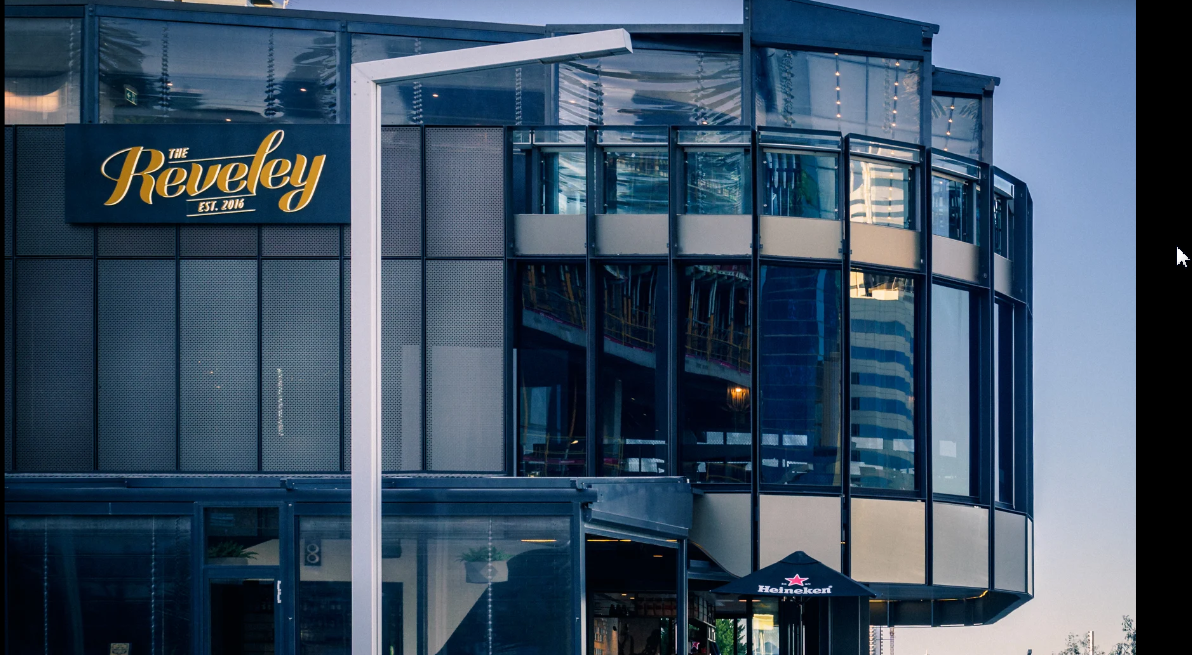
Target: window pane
<point>952,448</point>
<point>799,185</point>
<point>635,181</point>
<point>718,182</point>
<point>1003,219</point>
<point>952,208</point>
<point>42,70</point>
<point>714,384</point>
<point>882,313</point>
<point>241,536</point>
<point>158,71</point>
<point>564,182</point>
<point>632,403</point>
<point>551,369</point>
<point>956,125</point>
<point>1003,402</point>
<point>652,87</point>
<point>876,96</point>
<point>881,194</point>
<point>799,375</point>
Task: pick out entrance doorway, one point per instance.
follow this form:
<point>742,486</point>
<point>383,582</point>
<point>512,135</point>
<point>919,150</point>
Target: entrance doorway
<point>243,615</point>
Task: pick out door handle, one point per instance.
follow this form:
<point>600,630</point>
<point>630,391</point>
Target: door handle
<point>279,592</point>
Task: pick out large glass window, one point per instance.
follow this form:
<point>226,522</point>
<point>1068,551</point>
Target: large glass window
<point>952,208</point>
<point>159,71</point>
<point>1003,402</point>
<point>1003,222</point>
<point>882,316</point>
<point>635,181</point>
<point>881,194</point>
<point>799,366</point>
<point>877,96</point>
<point>956,125</point>
<point>564,182</point>
<point>952,448</point>
<point>42,70</point>
<point>241,536</point>
<point>714,383</point>
<point>632,403</point>
<point>551,369</point>
<point>718,181</point>
<point>90,583</point>
<point>799,184</point>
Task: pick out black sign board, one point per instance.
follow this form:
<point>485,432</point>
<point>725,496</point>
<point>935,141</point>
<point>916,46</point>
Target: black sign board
<point>208,173</point>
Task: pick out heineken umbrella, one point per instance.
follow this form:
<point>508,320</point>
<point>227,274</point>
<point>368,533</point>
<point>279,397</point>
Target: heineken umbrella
<point>797,575</point>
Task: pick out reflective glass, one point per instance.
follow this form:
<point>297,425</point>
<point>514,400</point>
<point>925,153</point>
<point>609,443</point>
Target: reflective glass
<point>90,583</point>
<point>952,449</point>
<point>882,316</point>
<point>718,181</point>
<point>635,181</point>
<point>881,194</point>
<point>632,403</point>
<point>952,208</point>
<point>651,87</point>
<point>714,382</point>
<point>799,367</point>
<point>956,125</point>
<point>42,70</point>
<point>1003,223</point>
<point>564,182</point>
<point>158,71</point>
<point>241,536</point>
<point>799,184</point>
<point>551,369</point>
<point>876,96</point>
<point>1003,402</point>
<point>765,626</point>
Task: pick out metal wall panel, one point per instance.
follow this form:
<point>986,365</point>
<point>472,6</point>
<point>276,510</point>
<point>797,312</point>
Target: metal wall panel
<point>960,545</point>
<point>218,365</point>
<point>807,523</point>
<point>956,259</point>
<point>550,234</point>
<point>1009,551</point>
<point>300,240</point>
<point>8,188</point>
<point>720,527</point>
<point>137,363</point>
<point>465,192</point>
<point>632,234</point>
<point>885,246</point>
<point>218,240</point>
<point>1003,275</point>
<point>787,236</point>
<point>8,365</point>
<point>55,365</point>
<point>41,203</point>
<point>465,327</point>
<point>888,541</point>
<point>136,240</point>
<point>1030,557</point>
<point>346,326</point>
<point>712,234</point>
<point>401,192</point>
<point>401,365</point>
<point>300,373</point>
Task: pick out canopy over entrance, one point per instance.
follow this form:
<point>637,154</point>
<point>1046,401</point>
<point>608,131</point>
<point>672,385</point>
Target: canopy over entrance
<point>797,575</point>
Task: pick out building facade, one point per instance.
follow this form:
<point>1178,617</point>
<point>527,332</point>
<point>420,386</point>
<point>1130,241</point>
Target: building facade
<point>650,322</point>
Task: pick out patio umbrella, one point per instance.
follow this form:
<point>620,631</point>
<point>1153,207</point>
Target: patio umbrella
<point>797,575</point>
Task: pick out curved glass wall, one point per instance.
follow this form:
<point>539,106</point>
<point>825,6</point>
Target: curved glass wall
<point>956,125</point>
<point>953,208</point>
<point>953,434</point>
<point>799,184</point>
<point>636,181</point>
<point>881,194</point>
<point>799,368</point>
<point>718,181</point>
<point>42,70</point>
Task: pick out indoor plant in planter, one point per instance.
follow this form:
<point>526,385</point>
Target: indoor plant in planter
<point>229,553</point>
<point>485,564</point>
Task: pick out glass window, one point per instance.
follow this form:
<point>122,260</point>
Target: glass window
<point>956,125</point>
<point>564,182</point>
<point>633,377</point>
<point>93,582</point>
<point>42,70</point>
<point>952,448</point>
<point>802,185</point>
<point>1003,224</point>
<point>764,624</point>
<point>551,360</point>
<point>882,316</point>
<point>718,181</point>
<point>241,536</point>
<point>635,181</point>
<point>1003,402</point>
<point>652,87</point>
<point>952,208</point>
<point>799,370</point>
<point>881,194</point>
<point>158,71</point>
<point>876,96</point>
<point>714,383</point>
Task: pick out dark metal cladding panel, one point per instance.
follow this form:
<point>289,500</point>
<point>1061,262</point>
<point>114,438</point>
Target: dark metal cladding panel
<point>8,365</point>
<point>300,241</point>
<point>401,365</point>
<point>465,192</point>
<point>8,187</point>
<point>796,23</point>
<point>346,310</point>
<point>136,241</point>
<point>218,365</point>
<point>218,240</point>
<point>41,219</point>
<point>300,419</point>
<point>137,417</point>
<point>55,365</point>
<point>401,191</point>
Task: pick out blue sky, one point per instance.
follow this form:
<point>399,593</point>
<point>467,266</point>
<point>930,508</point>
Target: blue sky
<point>1064,122</point>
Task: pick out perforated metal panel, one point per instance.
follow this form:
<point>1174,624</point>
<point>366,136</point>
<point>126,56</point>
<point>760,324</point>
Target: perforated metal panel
<point>8,186</point>
<point>218,365</point>
<point>465,192</point>
<point>401,191</point>
<point>55,365</point>
<point>218,240</point>
<point>300,372</point>
<point>300,241</point>
<point>8,365</point>
<point>401,365</point>
<point>465,386</point>
<point>136,365</point>
<point>136,240</point>
<point>41,204</point>
<point>346,323</point>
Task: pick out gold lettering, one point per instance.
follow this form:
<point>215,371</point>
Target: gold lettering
<point>267,146</point>
<point>192,183</point>
<point>171,177</point>
<point>232,173</point>
<point>275,168</point>
<point>305,187</point>
<point>129,170</point>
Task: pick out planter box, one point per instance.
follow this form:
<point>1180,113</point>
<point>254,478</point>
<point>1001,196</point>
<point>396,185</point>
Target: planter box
<point>486,572</point>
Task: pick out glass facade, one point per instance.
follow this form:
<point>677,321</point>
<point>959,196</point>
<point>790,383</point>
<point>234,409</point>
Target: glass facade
<point>802,185</point>
<point>1003,402</point>
<point>953,208</point>
<point>42,70</point>
<point>1003,223</point>
<point>719,181</point>
<point>636,181</point>
<point>956,125</point>
<point>953,447</point>
<point>881,194</point>
<point>564,182</point>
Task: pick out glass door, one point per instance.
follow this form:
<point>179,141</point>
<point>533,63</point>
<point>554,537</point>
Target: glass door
<point>243,615</point>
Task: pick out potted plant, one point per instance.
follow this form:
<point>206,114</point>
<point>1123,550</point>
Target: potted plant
<point>485,564</point>
<point>229,553</point>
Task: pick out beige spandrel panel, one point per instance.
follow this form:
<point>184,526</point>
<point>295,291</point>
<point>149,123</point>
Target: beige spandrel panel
<point>960,550</point>
<point>715,234</point>
<point>955,259</point>
<point>885,246</point>
<point>888,541</point>
<point>1009,551</point>
<point>632,234</point>
<point>812,238</point>
<point>1003,274</point>
<point>807,523</point>
<point>550,234</point>
<point>720,527</point>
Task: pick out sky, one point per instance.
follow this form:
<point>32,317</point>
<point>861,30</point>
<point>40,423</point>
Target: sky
<point>1064,122</point>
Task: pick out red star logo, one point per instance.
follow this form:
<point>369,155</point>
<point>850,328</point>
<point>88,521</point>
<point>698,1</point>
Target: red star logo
<point>796,580</point>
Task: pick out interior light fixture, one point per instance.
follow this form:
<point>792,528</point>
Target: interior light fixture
<point>302,90</point>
